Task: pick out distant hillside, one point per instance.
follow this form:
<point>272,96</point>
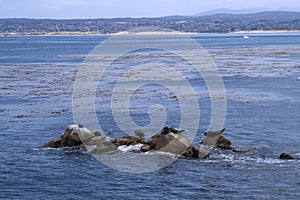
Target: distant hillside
<point>231,11</point>
<point>267,15</point>
<point>217,23</point>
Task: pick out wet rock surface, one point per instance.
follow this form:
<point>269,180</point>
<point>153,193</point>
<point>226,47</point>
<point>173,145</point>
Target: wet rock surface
<point>170,140</point>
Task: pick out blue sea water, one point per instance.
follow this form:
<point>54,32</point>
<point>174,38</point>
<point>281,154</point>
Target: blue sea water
<point>262,81</point>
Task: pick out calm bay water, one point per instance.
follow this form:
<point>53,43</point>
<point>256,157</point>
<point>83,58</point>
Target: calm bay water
<point>262,81</point>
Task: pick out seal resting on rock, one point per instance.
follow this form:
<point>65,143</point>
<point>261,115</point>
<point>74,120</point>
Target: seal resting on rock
<point>139,133</point>
<point>172,141</point>
<point>167,130</point>
<point>211,137</point>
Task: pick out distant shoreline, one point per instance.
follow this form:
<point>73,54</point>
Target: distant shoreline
<point>266,31</point>
<point>53,34</point>
<point>141,33</point>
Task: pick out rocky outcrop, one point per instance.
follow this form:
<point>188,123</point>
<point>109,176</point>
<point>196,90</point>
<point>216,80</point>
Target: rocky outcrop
<point>172,141</point>
<point>169,140</point>
<point>69,138</point>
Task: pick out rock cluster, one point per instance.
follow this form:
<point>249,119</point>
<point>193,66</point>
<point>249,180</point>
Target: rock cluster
<point>169,140</point>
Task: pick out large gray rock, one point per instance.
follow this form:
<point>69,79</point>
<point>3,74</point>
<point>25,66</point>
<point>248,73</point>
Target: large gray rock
<point>176,144</point>
<point>84,133</point>
<point>74,135</point>
<point>169,142</point>
<point>172,141</point>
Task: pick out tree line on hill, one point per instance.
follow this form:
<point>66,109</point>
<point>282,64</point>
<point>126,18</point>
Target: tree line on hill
<point>217,23</point>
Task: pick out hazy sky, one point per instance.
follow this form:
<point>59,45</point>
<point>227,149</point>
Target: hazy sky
<point>128,8</point>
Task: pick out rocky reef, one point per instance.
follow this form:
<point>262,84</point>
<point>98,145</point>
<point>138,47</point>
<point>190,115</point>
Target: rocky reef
<point>170,140</point>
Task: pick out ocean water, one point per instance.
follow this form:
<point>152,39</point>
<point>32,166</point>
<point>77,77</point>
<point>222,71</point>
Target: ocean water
<point>262,82</point>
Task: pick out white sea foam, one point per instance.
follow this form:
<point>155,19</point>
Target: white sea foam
<point>130,148</point>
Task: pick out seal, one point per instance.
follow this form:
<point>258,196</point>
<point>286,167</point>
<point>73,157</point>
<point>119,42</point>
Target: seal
<point>139,133</point>
<point>212,137</point>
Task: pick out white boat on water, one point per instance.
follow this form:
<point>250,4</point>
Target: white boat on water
<point>246,37</point>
